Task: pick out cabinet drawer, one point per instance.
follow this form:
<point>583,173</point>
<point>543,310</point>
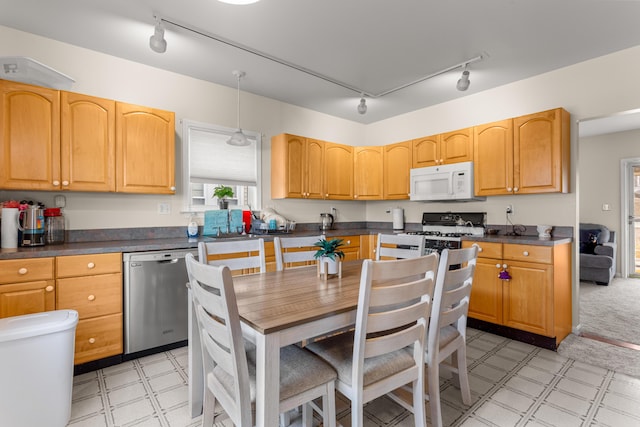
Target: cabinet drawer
<point>487,249</point>
<point>83,265</point>
<point>91,296</point>
<point>98,338</point>
<point>348,241</point>
<point>529,253</point>
<point>26,270</point>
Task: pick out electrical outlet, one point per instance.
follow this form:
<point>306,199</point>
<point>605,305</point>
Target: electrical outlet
<point>164,208</point>
<point>509,209</point>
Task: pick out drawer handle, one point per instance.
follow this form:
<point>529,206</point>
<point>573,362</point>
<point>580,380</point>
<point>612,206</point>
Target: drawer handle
<point>497,265</point>
<point>22,271</point>
<point>56,183</point>
<point>480,248</point>
<point>91,265</point>
<point>49,288</point>
<point>65,183</point>
<point>525,253</point>
<point>92,340</point>
<point>91,297</point>
<point>504,266</point>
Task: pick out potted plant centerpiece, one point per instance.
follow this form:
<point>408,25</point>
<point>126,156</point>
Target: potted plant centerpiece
<point>222,192</point>
<point>327,253</point>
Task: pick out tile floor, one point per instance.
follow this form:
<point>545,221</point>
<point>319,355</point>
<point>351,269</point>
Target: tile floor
<point>512,383</point>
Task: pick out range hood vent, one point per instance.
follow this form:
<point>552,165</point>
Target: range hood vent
<point>27,70</point>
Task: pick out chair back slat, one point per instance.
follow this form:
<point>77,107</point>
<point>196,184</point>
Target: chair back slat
<point>387,246</point>
<point>236,254</point>
<point>292,250</point>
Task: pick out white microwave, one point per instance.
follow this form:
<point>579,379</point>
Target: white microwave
<point>446,183</point>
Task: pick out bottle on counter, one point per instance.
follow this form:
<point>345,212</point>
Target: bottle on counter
<point>53,226</point>
<point>192,228</point>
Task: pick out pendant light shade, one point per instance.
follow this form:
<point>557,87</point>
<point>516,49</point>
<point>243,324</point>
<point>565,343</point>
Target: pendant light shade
<point>238,138</point>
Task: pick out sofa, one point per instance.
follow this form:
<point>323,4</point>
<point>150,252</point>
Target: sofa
<point>597,253</point>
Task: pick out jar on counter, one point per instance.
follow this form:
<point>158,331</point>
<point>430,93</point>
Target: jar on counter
<point>53,226</point>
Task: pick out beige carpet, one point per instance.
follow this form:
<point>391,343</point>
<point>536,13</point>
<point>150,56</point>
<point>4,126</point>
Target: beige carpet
<point>612,312</point>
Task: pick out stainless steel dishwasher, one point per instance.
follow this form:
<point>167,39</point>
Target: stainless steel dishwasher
<point>155,299</point>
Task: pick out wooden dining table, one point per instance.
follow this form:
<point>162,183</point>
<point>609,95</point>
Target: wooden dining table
<point>278,309</point>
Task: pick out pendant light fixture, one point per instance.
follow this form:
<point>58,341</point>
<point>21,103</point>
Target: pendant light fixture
<point>238,138</point>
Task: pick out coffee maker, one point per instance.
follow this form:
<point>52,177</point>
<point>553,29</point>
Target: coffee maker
<point>31,226</point>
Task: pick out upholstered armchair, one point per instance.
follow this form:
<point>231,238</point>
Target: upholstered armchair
<point>597,253</point>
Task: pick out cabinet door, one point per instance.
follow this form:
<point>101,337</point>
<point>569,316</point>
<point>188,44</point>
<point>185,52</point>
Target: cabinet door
<point>314,169</point>
<point>88,145</point>
<point>541,152</point>
<point>288,168</point>
<point>493,154</point>
<point>98,337</point>
<point>397,164</point>
<point>426,151</point>
<point>528,298</point>
<point>351,247</point>
<point>485,302</point>
<point>29,137</point>
<point>368,175</point>
<point>27,298</point>
<point>456,146</point>
<point>338,171</point>
<point>145,150</point>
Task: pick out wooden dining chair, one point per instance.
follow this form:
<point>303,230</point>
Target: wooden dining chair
<point>294,251</point>
<point>229,362</point>
<point>387,246</point>
<point>386,350</point>
<point>238,255</point>
<point>447,335</point>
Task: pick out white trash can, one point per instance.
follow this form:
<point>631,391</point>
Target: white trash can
<point>36,368</point>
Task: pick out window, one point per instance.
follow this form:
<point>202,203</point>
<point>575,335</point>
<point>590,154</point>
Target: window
<point>209,161</point>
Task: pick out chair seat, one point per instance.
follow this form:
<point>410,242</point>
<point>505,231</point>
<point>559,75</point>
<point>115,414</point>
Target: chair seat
<point>338,352</point>
<point>300,371</point>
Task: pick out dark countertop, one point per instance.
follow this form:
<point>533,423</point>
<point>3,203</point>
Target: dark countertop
<point>159,244</point>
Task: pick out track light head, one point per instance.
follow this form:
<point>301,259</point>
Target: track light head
<point>362,107</point>
<point>157,43</point>
<point>463,82</point>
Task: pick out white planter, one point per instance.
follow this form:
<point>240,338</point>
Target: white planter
<point>331,265</point>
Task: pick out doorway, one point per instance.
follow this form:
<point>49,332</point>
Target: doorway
<point>630,185</point>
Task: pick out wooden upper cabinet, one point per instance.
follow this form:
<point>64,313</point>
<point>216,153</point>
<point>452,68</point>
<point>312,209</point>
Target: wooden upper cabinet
<point>426,151</point>
<point>368,176</point>
<point>88,143</point>
<point>297,167</point>
<point>443,149</point>
<point>493,154</point>
<point>541,152</point>
<point>29,137</point>
<point>338,171</point>
<point>145,150</point>
<point>397,164</point>
<point>524,155</point>
<point>456,146</point>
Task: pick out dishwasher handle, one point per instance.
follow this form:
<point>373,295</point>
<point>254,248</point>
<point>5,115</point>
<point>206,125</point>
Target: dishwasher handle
<point>168,261</point>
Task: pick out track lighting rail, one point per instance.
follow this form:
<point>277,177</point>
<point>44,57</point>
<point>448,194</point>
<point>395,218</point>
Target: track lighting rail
<point>336,82</point>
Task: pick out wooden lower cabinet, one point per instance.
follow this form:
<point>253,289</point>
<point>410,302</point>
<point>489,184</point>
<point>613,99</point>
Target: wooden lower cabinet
<point>26,286</point>
<point>536,298</point>
<point>351,247</point>
<point>92,285</point>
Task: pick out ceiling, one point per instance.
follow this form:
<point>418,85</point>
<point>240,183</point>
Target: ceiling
<point>371,45</point>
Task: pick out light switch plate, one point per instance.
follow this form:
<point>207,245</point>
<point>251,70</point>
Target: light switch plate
<point>164,208</point>
<point>60,201</point>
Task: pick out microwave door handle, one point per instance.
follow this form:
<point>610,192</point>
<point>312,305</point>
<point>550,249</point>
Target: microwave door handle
<point>451,184</point>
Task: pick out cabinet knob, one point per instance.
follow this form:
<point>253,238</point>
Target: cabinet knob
<point>91,265</point>
<point>480,248</point>
<point>65,183</point>
<point>497,265</point>
<point>504,266</point>
<point>56,183</point>
<point>49,288</point>
<point>172,188</point>
<point>516,189</point>
<point>22,271</point>
<point>355,196</point>
<point>92,340</point>
<point>525,253</point>
<point>509,189</point>
<point>91,297</point>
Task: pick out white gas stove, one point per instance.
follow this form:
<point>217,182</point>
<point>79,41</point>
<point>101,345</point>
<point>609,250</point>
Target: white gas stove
<point>444,230</point>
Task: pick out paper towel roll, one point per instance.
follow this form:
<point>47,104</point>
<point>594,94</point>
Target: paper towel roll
<point>398,218</point>
<point>9,228</point>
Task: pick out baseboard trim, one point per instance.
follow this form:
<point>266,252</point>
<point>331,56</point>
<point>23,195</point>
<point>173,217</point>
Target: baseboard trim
<point>514,334</point>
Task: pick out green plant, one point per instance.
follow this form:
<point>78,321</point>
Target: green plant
<point>329,248</point>
<point>222,191</point>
